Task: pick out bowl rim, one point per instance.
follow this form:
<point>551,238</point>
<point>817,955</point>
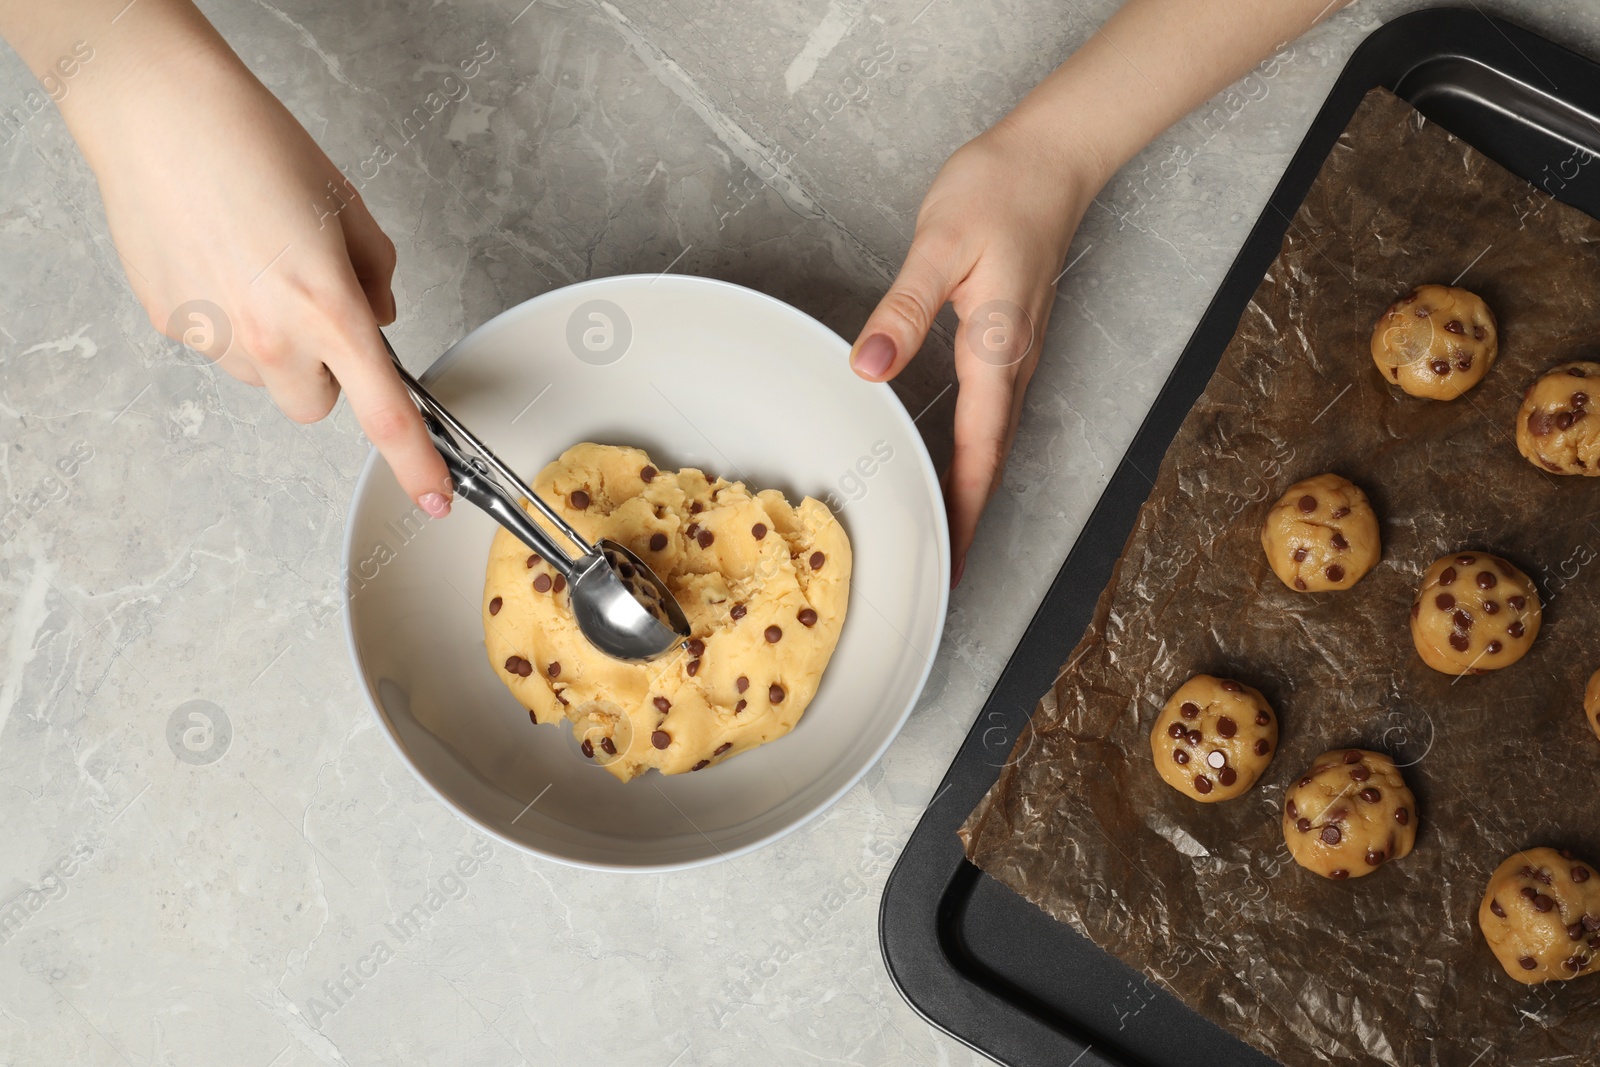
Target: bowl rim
<point>374,460</point>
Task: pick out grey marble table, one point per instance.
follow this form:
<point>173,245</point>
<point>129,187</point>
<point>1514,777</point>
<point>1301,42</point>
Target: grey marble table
<point>289,894</point>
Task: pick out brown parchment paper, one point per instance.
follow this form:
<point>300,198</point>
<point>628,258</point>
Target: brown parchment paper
<point>1389,968</point>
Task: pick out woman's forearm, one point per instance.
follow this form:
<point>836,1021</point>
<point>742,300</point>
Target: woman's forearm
<point>1153,62</point>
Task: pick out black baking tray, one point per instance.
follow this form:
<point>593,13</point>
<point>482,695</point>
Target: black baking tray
<point>969,955</point>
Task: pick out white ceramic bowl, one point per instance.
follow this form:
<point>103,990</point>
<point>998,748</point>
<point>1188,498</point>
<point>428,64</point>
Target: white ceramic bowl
<point>700,373</point>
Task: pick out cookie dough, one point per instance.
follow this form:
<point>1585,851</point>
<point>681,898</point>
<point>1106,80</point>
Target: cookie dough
<point>1321,535</point>
<point>1541,916</point>
<point>764,585</point>
<point>1474,613</point>
<point>1435,342</point>
<point>1591,702</point>
<point>1349,814</point>
<point>1557,430</point>
<point>1214,738</point>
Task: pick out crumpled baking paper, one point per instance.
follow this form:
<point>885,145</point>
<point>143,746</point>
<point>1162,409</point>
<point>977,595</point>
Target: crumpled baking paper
<point>1388,968</point>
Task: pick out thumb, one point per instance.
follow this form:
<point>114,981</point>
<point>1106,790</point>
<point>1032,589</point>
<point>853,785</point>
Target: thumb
<point>899,324</point>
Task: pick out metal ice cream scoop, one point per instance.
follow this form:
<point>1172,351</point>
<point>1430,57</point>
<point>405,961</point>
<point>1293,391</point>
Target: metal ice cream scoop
<point>620,605</point>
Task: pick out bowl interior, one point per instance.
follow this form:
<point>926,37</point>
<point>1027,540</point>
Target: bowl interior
<point>699,373</point>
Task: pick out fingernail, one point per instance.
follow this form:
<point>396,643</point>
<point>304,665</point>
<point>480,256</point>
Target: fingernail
<point>955,575</point>
<point>874,356</point>
<point>434,504</point>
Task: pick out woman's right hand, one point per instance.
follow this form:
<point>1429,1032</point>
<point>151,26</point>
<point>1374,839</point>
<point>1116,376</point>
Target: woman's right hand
<point>215,194</point>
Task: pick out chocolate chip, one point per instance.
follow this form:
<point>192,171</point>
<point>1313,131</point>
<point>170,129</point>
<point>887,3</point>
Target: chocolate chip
<point>1202,784</point>
<point>1308,503</point>
<point>1341,513</point>
<point>1577,372</point>
<point>737,612</point>
<point>1491,607</point>
<point>1575,932</point>
<point>1543,903</point>
<point>1216,759</point>
<point>1459,641</point>
<point>1463,359</point>
<point>533,559</point>
<point>518,666</point>
<point>705,538</point>
<point>1231,686</point>
<point>1516,603</point>
<point>1262,718</point>
<point>775,693</point>
<point>1339,875</point>
<point>773,635</point>
<point>648,473</point>
<point>1176,731</point>
<point>588,748</point>
<point>1528,890</point>
<point>1300,555</point>
<point>1494,647</point>
<point>1580,874</point>
<point>1462,620</point>
<point>696,647</point>
<point>1226,727</point>
<point>1478,333</point>
<point>1578,400</point>
<point>723,748</point>
<point>1262,747</point>
<point>661,739</point>
<point>1453,326</point>
<point>663,705</point>
<point>1193,737</point>
<point>1540,423</point>
<point>740,706</point>
<point>1180,757</point>
<point>494,606</point>
<point>1486,580</point>
<point>1189,709</point>
<point>1564,421</point>
<point>1528,963</point>
<point>1466,561</point>
<point>559,584</point>
<point>1330,835</point>
<point>696,508</point>
<point>658,541</point>
<point>554,670</point>
<point>1444,601</point>
<point>1227,776</point>
<point>807,617</point>
<point>1402,816</point>
<point>1447,576</point>
<point>1374,857</point>
<point>1300,584</point>
<point>1416,608</point>
<point>533,717</point>
<point>692,668</point>
<point>1288,806</point>
<point>1370,795</point>
<point>758,531</point>
<point>580,499</point>
<point>692,529</point>
<point>1335,573</point>
<point>1516,629</point>
<point>703,763</point>
<point>609,745</point>
<point>1352,756</point>
<point>817,560</point>
<point>1439,366</point>
<point>741,683</point>
<point>1494,906</point>
<point>626,570</point>
<point>1306,780</point>
<point>561,698</point>
<point>1339,542</point>
<point>1303,825</point>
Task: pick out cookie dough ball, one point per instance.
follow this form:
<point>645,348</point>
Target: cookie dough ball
<point>1214,738</point>
<point>1591,702</point>
<point>1321,535</point>
<point>1541,916</point>
<point>1556,429</point>
<point>1474,613</point>
<point>1349,814</point>
<point>1435,342</point>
